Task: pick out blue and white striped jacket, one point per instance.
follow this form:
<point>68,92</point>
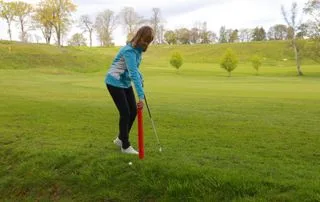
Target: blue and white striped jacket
<point>125,69</point>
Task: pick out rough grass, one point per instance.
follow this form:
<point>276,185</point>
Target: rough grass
<point>244,138</point>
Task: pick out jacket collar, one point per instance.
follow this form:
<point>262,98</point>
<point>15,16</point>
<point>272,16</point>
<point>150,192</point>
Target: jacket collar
<point>139,49</point>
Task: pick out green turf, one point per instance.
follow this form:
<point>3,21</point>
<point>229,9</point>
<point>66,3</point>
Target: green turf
<point>243,138</point>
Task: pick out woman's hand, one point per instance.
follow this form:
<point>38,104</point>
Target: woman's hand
<point>140,104</point>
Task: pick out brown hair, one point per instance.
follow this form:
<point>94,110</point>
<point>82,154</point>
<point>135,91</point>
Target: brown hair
<point>143,38</point>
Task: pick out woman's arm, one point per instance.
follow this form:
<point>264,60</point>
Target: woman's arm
<point>132,65</point>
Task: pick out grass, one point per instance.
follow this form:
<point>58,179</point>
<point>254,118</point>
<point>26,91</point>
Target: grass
<point>243,138</point>
<point>24,56</point>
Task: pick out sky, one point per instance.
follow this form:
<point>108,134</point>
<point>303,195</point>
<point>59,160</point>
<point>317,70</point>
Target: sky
<point>234,14</point>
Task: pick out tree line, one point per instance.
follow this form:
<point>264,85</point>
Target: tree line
<point>53,19</point>
<point>200,35</point>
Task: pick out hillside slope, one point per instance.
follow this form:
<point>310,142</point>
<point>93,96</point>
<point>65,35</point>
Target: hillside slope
<point>15,55</point>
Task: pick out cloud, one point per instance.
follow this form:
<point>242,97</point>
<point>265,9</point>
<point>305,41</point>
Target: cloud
<point>174,8</point>
<point>235,14</point>
<point>168,7</point>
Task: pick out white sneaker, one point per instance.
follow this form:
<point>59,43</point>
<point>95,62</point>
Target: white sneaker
<point>130,150</point>
<point>117,142</point>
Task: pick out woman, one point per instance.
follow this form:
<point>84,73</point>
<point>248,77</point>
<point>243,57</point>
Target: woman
<point>123,71</point>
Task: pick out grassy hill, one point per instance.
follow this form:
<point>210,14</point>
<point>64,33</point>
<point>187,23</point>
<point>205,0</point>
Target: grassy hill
<point>21,56</point>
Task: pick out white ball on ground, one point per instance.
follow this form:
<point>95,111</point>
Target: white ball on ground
<point>130,163</point>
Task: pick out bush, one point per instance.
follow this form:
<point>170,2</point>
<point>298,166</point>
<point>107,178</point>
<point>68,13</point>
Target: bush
<point>229,61</point>
<point>176,60</point>
<point>256,62</point>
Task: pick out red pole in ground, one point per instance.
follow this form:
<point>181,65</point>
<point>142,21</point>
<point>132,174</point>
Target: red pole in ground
<point>140,133</point>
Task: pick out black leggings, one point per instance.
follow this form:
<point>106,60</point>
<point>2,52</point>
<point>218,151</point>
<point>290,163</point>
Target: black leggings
<point>126,103</point>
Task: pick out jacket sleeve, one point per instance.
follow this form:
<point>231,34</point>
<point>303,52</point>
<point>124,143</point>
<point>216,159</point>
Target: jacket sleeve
<point>132,65</point>
<point>142,80</point>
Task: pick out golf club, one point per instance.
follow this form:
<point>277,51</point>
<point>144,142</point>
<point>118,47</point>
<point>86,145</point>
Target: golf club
<point>153,125</point>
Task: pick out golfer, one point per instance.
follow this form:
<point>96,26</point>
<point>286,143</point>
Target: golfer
<point>124,71</point>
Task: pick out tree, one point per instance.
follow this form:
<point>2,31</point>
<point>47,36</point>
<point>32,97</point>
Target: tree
<point>87,25</point>
<point>228,35</point>
<point>131,21</point>
<point>278,32</point>
<point>42,20</point>
<point>1,7</point>
<point>176,60</point>
<point>245,35</point>
<point>206,37</point>
<point>59,13</point>
<point>223,35</point>
<point>263,34</point>
<point>195,35</point>
<point>183,35</point>
<point>77,40</point>
<point>259,34</point>
<point>290,33</point>
<point>197,32</point>
<point>7,12</point>
<point>312,8</point>
<point>292,22</point>
<point>234,37</point>
<point>161,34</point>
<point>200,34</point>
<point>155,22</point>
<point>105,24</point>
<point>23,11</point>
<point>256,62</point>
<point>303,31</point>
<point>170,37</point>
<point>229,61</point>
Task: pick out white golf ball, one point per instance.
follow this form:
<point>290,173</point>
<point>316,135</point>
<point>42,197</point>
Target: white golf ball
<point>130,163</point>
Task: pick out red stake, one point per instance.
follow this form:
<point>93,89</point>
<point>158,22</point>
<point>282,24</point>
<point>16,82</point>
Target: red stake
<point>140,133</point>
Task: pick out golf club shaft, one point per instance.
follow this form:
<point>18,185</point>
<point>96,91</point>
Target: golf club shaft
<point>155,132</point>
<point>145,99</point>
<point>153,125</point>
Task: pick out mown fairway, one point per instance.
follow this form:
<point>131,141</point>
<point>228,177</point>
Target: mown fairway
<point>244,138</point>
